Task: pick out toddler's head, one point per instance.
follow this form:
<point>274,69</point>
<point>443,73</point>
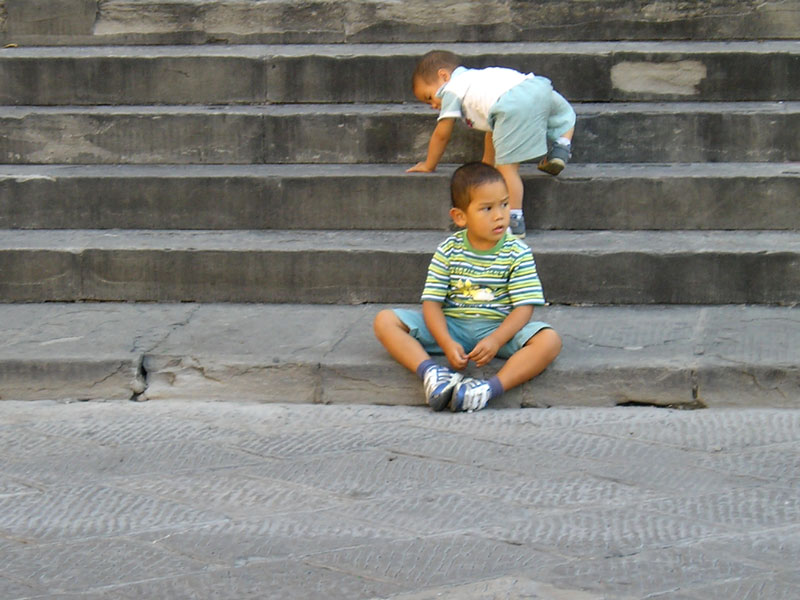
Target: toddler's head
<point>468,177</point>
<point>480,204</point>
<point>433,70</point>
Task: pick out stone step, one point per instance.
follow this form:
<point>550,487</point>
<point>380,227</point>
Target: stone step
<point>713,267</point>
<point>680,356</point>
<point>582,72</point>
<point>383,133</point>
<point>596,196</point>
<point>288,21</point>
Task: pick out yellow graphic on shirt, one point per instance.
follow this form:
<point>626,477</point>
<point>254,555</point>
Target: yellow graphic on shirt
<point>465,287</point>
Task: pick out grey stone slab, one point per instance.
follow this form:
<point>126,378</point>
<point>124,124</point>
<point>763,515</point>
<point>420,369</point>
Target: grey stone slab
<point>84,464</point>
<point>371,474</point>
<point>278,579</point>
<point>128,21</point>
<point>142,135</point>
<point>50,17</point>
<point>582,72</point>
<point>566,491</point>
<point>383,133</point>
<point>293,444</point>
<point>626,132</point>
<point>505,588</point>
<point>629,524</point>
<point>426,514</point>
<point>85,566</point>
<point>664,477</point>
<point>606,532</point>
<point>774,547</point>
<point>738,508</point>
<point>233,493</point>
<point>25,441</point>
<point>436,561</point>
<point>654,571</point>
<point>13,589</point>
<point>256,540</point>
<point>11,487</point>
<point>751,588</point>
<point>92,511</point>
<point>472,448</point>
<point>584,196</point>
<point>96,424</point>
<point>328,267</point>
<point>718,430</point>
<point>59,76</point>
<point>78,351</point>
<point>309,353</point>
<point>779,464</point>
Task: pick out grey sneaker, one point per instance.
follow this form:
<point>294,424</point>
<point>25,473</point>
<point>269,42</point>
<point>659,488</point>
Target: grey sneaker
<point>556,159</point>
<point>439,383</point>
<point>516,226</point>
<point>470,394</point>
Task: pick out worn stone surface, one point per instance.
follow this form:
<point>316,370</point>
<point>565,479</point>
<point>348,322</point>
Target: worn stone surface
<point>283,134</point>
<point>380,73</point>
<point>50,17</point>
<point>584,197</point>
<point>677,355</point>
<point>227,500</point>
<point>329,267</point>
<point>206,21</point>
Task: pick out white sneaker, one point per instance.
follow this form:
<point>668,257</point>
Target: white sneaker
<point>470,394</point>
<point>439,383</point>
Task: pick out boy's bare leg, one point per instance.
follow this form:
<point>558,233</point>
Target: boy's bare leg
<point>530,360</point>
<point>513,181</point>
<point>393,334</point>
<point>488,149</point>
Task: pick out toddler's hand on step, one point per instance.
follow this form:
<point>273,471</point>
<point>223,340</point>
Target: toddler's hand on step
<point>420,167</point>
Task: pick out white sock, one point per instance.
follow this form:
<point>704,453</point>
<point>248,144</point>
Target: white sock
<point>564,141</point>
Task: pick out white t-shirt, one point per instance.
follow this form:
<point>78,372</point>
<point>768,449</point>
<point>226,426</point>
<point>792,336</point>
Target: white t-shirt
<point>471,93</point>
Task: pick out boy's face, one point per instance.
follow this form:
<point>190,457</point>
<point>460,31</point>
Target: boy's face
<point>487,216</point>
<point>425,91</point>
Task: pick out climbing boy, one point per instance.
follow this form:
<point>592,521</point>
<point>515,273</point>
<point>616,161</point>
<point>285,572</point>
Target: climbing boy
<point>520,114</point>
<point>477,303</point>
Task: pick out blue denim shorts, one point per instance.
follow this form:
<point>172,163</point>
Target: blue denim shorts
<point>525,117</point>
<point>467,332</point>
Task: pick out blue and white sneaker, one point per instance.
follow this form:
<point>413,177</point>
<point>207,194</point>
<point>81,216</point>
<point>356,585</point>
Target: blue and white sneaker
<point>470,394</point>
<point>516,226</point>
<point>439,383</point>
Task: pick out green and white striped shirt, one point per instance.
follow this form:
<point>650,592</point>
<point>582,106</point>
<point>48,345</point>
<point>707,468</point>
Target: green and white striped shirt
<point>484,284</point>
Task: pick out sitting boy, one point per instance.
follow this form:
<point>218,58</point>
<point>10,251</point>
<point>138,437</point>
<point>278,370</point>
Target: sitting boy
<point>477,303</point>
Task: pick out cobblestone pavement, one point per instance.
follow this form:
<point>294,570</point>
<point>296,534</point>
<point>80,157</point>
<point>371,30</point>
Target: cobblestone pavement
<point>235,501</point>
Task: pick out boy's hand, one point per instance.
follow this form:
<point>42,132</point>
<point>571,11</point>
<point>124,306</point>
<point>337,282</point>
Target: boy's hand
<point>484,351</point>
<point>456,356</point>
<point>420,167</point>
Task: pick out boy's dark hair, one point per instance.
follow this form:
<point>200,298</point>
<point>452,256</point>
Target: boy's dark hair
<point>466,178</point>
<point>429,65</point>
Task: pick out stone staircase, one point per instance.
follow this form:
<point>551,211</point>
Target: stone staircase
<point>241,152</point>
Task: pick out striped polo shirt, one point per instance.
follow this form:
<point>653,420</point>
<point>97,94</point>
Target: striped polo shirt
<point>485,284</point>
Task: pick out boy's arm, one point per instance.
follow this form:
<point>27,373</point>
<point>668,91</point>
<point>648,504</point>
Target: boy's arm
<point>437,325</point>
<point>487,348</point>
<point>439,140</point>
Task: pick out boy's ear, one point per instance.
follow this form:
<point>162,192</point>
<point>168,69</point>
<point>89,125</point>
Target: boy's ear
<point>458,216</point>
<point>444,75</point>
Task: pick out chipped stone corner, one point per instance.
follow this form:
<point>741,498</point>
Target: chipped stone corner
<point>192,377</point>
